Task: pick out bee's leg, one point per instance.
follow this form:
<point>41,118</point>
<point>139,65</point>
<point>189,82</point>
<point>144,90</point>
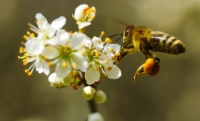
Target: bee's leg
<point>122,54</point>
<point>145,51</point>
<point>151,66</point>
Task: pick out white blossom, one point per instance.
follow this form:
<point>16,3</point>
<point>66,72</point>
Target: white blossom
<point>84,15</point>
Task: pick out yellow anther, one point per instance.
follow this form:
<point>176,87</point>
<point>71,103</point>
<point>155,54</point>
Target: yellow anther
<point>32,35</point>
<point>29,24</point>
<point>21,50</point>
<point>102,33</point>
<point>25,63</point>
<point>73,65</point>
<point>50,63</point>
<point>106,75</point>
<point>25,37</point>
<point>29,73</point>
<point>70,32</point>
<point>64,64</point>
<point>26,71</point>
<point>109,68</point>
<point>106,61</point>
<point>99,41</point>
<point>44,57</point>
<point>28,33</point>
<point>97,54</point>
<point>83,53</point>
<point>108,40</point>
<point>96,68</point>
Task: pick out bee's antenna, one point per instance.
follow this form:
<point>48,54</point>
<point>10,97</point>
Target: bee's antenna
<point>119,34</point>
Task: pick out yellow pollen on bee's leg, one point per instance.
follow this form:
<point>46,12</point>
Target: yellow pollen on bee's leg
<point>108,40</point>
<point>64,64</point>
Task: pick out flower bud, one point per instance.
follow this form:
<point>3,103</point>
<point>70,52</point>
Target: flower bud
<point>88,92</point>
<point>55,80</point>
<point>95,117</point>
<point>100,97</point>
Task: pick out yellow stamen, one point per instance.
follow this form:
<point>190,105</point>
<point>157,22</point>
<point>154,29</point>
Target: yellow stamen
<point>25,37</point>
<point>83,53</point>
<point>108,40</point>
<point>50,63</point>
<point>106,75</point>
<point>109,68</point>
<point>64,64</point>
<point>29,73</point>
<point>102,33</point>
<point>99,41</point>
<point>73,65</point>
<point>97,54</point>
<point>106,61</point>
<point>96,68</point>
<point>26,71</point>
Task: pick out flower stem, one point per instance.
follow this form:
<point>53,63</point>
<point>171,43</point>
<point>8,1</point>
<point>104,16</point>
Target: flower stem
<point>92,105</point>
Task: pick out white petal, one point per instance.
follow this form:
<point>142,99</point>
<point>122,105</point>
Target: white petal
<point>97,42</point>
<point>54,79</point>
<point>58,23</point>
<point>115,47</point>
<point>34,46</point>
<point>78,40</point>
<point>63,37</point>
<point>80,61</point>
<point>92,75</point>
<point>41,21</point>
<point>61,70</point>
<point>82,25</point>
<point>80,10</point>
<point>50,52</point>
<point>39,16</point>
<point>114,73</point>
<point>42,67</point>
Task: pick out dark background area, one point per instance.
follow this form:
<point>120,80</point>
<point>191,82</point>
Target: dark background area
<point>172,95</point>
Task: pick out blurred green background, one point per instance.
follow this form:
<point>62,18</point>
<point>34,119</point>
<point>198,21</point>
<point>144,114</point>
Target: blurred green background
<point>172,95</point>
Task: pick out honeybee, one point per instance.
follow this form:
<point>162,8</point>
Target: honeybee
<point>143,39</point>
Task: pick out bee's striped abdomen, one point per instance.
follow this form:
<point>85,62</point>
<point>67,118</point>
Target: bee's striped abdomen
<point>166,43</point>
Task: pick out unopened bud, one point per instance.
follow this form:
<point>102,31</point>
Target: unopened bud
<point>88,92</point>
<point>55,81</point>
<point>100,97</point>
<point>95,117</point>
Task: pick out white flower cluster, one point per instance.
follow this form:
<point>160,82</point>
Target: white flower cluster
<point>76,56</point>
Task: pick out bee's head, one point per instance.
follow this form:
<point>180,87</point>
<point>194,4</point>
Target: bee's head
<point>128,31</point>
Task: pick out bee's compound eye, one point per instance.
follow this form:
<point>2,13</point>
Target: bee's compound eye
<point>127,32</point>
